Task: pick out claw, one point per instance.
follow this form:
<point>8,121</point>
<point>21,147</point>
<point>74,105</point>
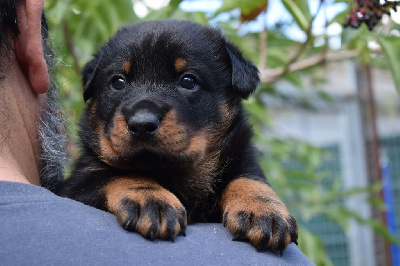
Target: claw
<point>236,237</point>
<point>259,248</point>
<point>295,241</point>
<point>281,252</point>
<point>127,224</point>
<point>151,235</point>
<point>225,219</point>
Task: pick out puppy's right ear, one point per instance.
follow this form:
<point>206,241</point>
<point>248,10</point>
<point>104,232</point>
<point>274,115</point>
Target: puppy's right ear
<point>89,73</point>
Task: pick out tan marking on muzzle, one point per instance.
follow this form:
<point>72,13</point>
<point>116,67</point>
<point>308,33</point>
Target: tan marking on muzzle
<point>197,145</point>
<point>116,145</point>
<point>171,135</point>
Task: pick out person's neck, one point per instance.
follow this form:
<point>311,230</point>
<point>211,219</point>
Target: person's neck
<point>10,170</point>
<point>18,143</point>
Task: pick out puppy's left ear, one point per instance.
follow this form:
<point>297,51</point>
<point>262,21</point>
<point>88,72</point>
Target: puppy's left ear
<point>245,76</point>
<point>88,73</point>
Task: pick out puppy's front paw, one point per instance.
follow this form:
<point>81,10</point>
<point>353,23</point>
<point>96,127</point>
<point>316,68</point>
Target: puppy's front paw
<point>253,212</point>
<point>145,207</point>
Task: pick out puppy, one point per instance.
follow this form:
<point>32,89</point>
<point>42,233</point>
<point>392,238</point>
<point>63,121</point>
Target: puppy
<point>165,141</point>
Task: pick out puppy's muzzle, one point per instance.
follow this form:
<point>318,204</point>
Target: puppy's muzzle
<point>143,124</point>
<point>143,118</point>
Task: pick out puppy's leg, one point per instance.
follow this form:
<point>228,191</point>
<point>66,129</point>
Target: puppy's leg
<point>142,205</point>
<point>252,211</point>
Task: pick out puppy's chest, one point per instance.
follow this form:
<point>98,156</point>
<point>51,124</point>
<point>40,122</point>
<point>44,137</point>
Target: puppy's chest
<point>187,183</point>
<point>197,189</point>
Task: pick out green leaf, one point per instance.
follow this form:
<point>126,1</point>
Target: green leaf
<point>276,56</point>
<point>378,226</point>
<point>390,47</point>
<point>295,79</point>
<point>312,245</point>
<point>300,12</point>
<point>245,6</point>
<point>257,110</point>
<point>173,6</point>
<point>350,37</point>
<point>340,17</point>
<point>167,12</point>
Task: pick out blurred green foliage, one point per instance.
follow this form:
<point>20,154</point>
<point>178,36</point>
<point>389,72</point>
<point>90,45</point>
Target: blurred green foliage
<point>78,27</point>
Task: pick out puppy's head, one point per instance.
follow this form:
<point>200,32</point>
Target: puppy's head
<point>163,91</point>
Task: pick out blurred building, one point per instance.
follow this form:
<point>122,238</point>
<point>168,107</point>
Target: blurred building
<point>344,126</point>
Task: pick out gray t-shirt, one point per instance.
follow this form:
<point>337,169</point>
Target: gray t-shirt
<point>40,228</point>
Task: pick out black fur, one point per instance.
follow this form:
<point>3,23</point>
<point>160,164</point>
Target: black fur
<point>145,122</point>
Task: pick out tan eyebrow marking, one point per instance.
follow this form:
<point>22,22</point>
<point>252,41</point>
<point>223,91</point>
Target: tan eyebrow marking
<point>126,66</point>
<point>180,64</point>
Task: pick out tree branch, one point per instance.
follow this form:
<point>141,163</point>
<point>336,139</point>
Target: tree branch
<point>263,48</point>
<point>271,75</point>
<point>263,42</point>
<point>70,47</point>
<point>303,46</point>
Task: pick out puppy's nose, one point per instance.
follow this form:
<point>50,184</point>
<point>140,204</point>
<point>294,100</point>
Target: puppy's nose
<point>143,124</point>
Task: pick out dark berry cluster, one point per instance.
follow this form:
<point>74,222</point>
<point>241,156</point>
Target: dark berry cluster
<point>369,12</point>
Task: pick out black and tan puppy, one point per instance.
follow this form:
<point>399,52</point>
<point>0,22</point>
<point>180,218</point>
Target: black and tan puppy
<point>165,140</point>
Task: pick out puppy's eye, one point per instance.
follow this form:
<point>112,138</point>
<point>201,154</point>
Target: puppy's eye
<point>118,83</point>
<point>188,82</point>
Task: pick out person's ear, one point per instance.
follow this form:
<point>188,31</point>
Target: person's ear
<point>28,44</point>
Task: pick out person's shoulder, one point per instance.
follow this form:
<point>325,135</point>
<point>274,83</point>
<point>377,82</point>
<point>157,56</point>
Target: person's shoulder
<point>40,228</point>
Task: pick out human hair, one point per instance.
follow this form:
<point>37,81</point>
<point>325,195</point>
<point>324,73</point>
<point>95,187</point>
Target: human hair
<point>8,22</point>
<point>9,25</point>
